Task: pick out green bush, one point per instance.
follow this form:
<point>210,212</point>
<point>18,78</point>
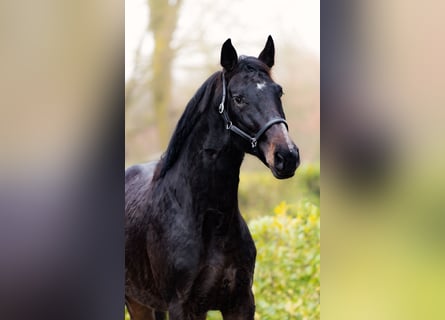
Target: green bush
<point>287,272</point>
<point>259,191</point>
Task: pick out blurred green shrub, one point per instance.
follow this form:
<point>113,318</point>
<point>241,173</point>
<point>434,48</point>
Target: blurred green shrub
<point>259,191</point>
<point>287,273</point>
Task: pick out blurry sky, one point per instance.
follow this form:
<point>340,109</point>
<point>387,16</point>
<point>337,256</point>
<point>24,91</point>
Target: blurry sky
<point>247,22</point>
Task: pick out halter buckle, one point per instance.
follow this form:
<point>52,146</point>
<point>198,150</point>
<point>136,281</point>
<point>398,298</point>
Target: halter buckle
<point>221,108</point>
<point>254,143</point>
<point>229,125</point>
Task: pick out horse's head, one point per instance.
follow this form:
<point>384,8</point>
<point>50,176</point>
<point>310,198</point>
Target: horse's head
<point>251,107</point>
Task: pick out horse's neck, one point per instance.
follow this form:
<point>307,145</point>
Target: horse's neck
<point>210,166</point>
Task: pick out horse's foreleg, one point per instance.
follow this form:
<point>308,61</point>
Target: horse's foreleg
<point>160,315</point>
<point>244,309</point>
<point>239,314</point>
<point>140,312</point>
<point>178,312</point>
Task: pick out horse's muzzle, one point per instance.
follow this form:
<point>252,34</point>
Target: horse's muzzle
<point>279,152</point>
<point>285,162</point>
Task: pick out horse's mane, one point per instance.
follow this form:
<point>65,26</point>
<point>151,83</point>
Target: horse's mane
<point>195,107</point>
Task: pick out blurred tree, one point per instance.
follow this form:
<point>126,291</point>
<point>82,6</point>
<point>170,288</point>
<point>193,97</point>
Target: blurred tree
<point>163,17</point>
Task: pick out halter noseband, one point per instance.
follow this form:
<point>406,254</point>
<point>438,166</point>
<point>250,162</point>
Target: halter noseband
<point>230,126</point>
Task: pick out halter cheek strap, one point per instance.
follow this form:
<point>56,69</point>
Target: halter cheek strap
<point>230,126</point>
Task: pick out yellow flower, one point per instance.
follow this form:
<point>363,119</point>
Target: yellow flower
<point>281,209</point>
<point>313,219</point>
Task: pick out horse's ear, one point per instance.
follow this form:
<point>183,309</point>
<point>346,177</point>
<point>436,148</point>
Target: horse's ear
<point>268,53</point>
<point>229,57</point>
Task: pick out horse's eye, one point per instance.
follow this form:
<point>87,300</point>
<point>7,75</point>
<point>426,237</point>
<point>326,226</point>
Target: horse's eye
<point>238,99</point>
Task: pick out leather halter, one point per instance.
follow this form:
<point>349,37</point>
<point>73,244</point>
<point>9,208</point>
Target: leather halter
<point>230,126</point>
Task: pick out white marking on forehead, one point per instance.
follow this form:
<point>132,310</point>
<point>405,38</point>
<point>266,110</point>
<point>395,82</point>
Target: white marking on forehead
<point>260,85</point>
<point>289,143</point>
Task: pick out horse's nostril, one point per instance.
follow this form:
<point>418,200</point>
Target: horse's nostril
<point>286,161</point>
<point>279,161</point>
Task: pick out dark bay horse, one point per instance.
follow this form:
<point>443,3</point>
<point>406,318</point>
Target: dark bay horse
<point>188,250</point>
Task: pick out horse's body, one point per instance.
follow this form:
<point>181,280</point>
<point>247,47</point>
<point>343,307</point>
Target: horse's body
<point>188,249</point>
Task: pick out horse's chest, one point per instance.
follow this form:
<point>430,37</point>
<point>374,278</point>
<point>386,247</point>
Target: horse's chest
<point>214,285</point>
<point>222,278</point>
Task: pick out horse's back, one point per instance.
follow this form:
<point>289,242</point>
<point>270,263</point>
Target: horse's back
<point>143,171</point>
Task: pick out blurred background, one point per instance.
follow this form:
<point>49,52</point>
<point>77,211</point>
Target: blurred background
<point>383,185</point>
<point>171,48</point>
<point>62,155</point>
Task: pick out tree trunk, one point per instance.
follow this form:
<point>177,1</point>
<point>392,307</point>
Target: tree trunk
<point>162,24</point>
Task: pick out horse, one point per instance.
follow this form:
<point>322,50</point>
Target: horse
<point>188,250</point>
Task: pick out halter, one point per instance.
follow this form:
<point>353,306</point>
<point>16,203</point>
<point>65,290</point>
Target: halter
<point>230,126</point>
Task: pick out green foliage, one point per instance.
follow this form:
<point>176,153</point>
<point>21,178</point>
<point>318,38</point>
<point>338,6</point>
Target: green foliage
<point>287,237</point>
<point>260,191</point>
<point>287,273</point>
